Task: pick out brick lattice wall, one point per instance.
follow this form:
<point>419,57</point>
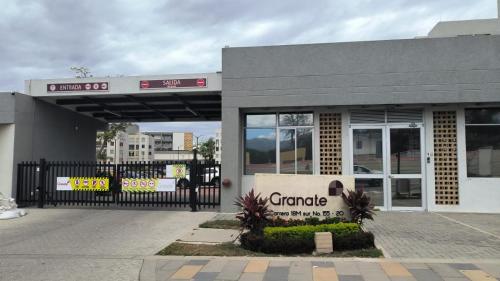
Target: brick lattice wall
<point>445,157</point>
<point>330,143</point>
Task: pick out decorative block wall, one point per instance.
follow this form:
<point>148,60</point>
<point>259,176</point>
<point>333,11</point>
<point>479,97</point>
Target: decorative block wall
<point>445,157</point>
<point>330,143</point>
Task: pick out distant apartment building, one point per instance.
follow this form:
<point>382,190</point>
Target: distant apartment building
<point>218,145</point>
<point>131,145</point>
<point>169,141</point>
<point>172,145</point>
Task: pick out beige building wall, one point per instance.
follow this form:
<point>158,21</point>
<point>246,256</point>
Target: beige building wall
<point>188,141</point>
<point>6,158</point>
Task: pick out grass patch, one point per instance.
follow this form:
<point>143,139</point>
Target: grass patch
<point>221,224</point>
<point>225,249</point>
<point>231,250</point>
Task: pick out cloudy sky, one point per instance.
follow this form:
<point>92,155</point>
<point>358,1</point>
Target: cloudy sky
<point>44,38</point>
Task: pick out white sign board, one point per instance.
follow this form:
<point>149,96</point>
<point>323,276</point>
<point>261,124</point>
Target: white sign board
<point>302,196</point>
<point>63,184</point>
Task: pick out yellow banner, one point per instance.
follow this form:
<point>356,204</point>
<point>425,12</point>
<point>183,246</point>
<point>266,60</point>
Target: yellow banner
<point>89,184</point>
<point>148,185</point>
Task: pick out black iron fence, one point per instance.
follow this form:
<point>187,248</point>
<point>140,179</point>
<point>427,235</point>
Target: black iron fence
<point>199,188</point>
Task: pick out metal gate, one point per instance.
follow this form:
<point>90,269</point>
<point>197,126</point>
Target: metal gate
<point>37,184</point>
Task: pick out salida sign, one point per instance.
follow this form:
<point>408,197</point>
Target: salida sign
<point>173,83</point>
<point>301,196</point>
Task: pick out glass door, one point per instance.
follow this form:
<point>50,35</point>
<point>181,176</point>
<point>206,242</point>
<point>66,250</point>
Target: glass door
<point>404,167</point>
<point>387,163</point>
<point>369,162</point>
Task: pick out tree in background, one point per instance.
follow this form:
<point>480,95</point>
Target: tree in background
<point>81,71</point>
<point>207,149</point>
<point>104,137</point>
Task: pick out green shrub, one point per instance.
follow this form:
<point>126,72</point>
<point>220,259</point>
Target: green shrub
<point>307,231</point>
<point>252,241</point>
<point>355,241</point>
<point>257,243</point>
<point>278,221</point>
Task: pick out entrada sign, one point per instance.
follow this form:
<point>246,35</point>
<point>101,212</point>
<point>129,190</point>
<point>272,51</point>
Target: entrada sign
<point>302,196</point>
<point>173,83</point>
<point>78,87</point>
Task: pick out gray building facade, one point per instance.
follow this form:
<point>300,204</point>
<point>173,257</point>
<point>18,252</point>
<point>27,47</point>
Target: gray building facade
<point>427,76</point>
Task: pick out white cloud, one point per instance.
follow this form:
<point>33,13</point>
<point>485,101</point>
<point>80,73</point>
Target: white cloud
<point>44,38</point>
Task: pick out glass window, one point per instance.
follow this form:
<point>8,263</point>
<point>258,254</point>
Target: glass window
<point>287,151</point>
<point>296,119</point>
<point>368,158</point>
<point>260,151</point>
<point>304,150</point>
<point>261,120</point>
<point>482,136</point>
<point>374,188</point>
<point>295,143</point>
<point>131,146</point>
<point>405,151</point>
<point>406,192</point>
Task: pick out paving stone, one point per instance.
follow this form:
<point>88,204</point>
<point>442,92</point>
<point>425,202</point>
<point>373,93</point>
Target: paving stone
<point>279,263</point>
<point>232,270</point>
<point>186,272</point>
<point>276,273</point>
<point>324,274</point>
<point>197,262</point>
<point>214,266</point>
<point>322,264</point>
<point>456,279</point>
<point>478,275</point>
<point>256,266</point>
<point>252,276</point>
<point>165,269</point>
<point>403,278</point>
<point>445,270</point>
<point>205,276</point>
<point>300,271</point>
<point>350,278</point>
<point>429,235</point>
<point>463,266</point>
<point>346,268</point>
<point>415,265</point>
<point>493,269</point>
<point>372,271</point>
<point>394,269</point>
<point>425,275</point>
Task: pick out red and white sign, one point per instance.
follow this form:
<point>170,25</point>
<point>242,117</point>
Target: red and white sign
<point>78,87</point>
<point>173,83</point>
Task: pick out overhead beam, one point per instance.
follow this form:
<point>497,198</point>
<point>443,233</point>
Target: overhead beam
<point>189,107</point>
<point>216,98</point>
<point>148,107</point>
<point>106,109</point>
<point>93,108</point>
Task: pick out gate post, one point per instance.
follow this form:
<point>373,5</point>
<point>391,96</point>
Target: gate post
<point>194,181</point>
<point>41,182</point>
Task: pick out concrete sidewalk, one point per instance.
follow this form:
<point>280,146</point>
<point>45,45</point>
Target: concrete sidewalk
<point>87,244</point>
<point>315,269</point>
<point>437,235</point>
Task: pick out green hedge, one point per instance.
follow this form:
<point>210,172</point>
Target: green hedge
<point>307,231</point>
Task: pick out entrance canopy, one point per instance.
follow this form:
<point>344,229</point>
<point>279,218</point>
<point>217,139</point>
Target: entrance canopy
<point>166,98</point>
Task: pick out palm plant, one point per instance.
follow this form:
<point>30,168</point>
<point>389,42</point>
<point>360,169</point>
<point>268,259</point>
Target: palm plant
<point>359,204</point>
<point>255,212</point>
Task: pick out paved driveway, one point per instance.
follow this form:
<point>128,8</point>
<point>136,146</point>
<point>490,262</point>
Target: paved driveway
<point>86,244</point>
<point>437,235</point>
